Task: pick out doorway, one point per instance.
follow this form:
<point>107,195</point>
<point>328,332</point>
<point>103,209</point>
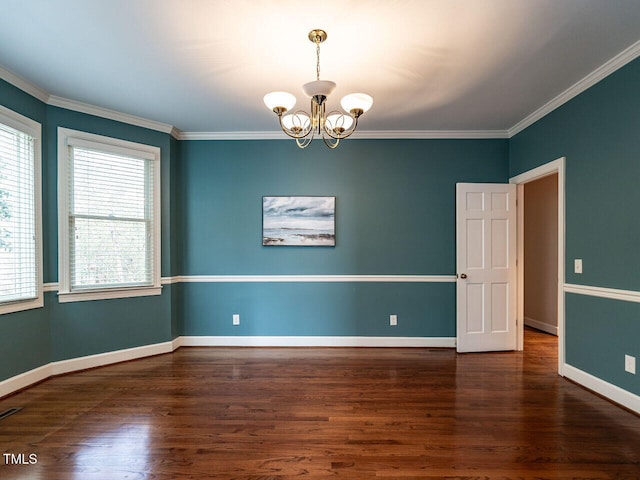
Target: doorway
<point>541,254</point>
<point>552,170</point>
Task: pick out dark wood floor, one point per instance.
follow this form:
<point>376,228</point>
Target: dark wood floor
<point>270,413</point>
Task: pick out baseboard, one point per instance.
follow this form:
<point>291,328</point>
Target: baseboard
<point>176,343</point>
<point>606,389</point>
<point>316,341</point>
<point>545,327</point>
<point>107,358</point>
<point>14,384</point>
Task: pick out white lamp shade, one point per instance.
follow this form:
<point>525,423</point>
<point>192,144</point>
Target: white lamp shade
<point>292,120</point>
<point>279,99</point>
<point>339,120</point>
<point>319,87</point>
<point>356,100</point>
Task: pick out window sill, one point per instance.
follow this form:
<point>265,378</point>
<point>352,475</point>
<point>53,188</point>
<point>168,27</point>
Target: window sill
<point>21,305</point>
<point>108,294</point>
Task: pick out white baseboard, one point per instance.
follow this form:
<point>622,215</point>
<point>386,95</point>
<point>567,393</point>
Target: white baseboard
<point>545,327</point>
<point>606,389</point>
<point>24,380</point>
<point>36,375</point>
<point>107,358</point>
<point>317,341</point>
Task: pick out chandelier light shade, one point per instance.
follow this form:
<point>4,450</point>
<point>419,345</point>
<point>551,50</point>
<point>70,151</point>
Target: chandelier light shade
<point>304,126</point>
<point>283,100</point>
<point>356,101</point>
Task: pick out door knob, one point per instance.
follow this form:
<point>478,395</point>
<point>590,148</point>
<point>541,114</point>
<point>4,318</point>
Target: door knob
<point>463,276</point>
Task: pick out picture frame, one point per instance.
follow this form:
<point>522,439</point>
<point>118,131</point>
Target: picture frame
<point>301,221</point>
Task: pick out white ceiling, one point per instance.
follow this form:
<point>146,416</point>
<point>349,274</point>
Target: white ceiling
<point>204,65</point>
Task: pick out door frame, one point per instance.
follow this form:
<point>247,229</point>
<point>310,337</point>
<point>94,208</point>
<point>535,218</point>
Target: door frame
<point>553,167</point>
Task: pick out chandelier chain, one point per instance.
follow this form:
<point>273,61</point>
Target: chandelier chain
<point>318,59</point>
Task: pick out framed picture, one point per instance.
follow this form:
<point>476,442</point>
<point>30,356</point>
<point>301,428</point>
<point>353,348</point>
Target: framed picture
<point>303,221</point>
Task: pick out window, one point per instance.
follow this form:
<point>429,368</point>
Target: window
<point>109,217</point>
<point>20,213</point>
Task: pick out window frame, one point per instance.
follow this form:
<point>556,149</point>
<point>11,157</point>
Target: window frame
<point>117,146</point>
<point>33,129</point>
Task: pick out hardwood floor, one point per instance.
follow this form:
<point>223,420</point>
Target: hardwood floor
<point>275,413</point>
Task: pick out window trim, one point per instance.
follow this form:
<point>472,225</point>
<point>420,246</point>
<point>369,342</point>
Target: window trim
<point>149,152</point>
<point>34,129</point>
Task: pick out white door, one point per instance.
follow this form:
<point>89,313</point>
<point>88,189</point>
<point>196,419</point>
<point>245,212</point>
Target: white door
<point>486,267</point>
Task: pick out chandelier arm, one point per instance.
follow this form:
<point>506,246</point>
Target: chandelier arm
<point>291,133</point>
<point>329,143</point>
<point>347,133</point>
<point>304,142</point>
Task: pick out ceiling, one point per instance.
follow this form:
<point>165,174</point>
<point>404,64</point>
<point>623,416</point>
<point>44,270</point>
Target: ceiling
<point>204,65</point>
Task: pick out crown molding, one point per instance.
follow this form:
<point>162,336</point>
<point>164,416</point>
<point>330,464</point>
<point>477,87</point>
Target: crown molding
<point>275,135</point>
<point>27,87</point>
<point>109,114</point>
<point>429,134</point>
<point>175,133</point>
<point>359,135</point>
<point>619,61</point>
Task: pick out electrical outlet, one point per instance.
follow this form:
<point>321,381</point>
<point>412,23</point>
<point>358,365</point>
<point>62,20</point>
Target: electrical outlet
<point>236,319</point>
<point>630,364</point>
<point>393,320</point>
<point>577,265</point>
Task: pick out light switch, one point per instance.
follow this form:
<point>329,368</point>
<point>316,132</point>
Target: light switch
<point>577,265</point>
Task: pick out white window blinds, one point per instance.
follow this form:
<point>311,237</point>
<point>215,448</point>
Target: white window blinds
<point>111,217</point>
<point>19,276</point>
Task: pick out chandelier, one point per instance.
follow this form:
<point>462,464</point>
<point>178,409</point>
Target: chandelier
<point>303,126</point>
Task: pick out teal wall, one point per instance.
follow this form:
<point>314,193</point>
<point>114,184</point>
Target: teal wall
<point>87,328</point>
<point>37,337</point>
<point>24,342</point>
<point>599,134</point>
<point>600,331</point>
<point>395,215</point>
<point>395,203</point>
<point>326,309</point>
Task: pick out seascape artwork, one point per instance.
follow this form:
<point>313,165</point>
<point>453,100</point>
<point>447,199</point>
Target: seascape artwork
<point>299,221</point>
